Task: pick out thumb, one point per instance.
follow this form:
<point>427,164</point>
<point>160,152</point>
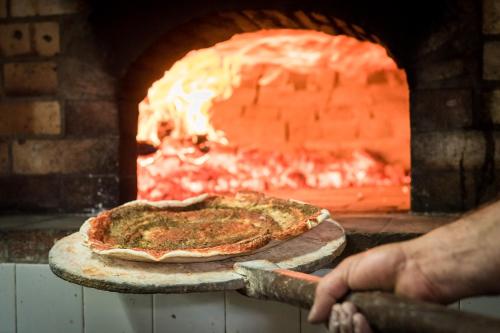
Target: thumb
<point>330,289</point>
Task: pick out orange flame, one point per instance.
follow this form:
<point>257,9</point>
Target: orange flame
<point>184,95</point>
<point>179,106</point>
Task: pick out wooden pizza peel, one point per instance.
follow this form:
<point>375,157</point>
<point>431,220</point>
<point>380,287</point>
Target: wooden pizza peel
<point>278,273</point>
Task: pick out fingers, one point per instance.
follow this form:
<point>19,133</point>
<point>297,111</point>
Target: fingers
<point>329,290</point>
<point>360,324</point>
<point>334,322</point>
<point>344,318</point>
<point>346,321</point>
<point>370,270</point>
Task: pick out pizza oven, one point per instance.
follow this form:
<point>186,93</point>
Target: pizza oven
<point>354,107</point>
<point>290,112</point>
<point>385,112</point>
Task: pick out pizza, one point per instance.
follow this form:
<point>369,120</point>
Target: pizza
<point>203,228</point>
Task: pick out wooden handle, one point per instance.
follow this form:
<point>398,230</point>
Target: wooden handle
<point>390,313</point>
<point>385,312</point>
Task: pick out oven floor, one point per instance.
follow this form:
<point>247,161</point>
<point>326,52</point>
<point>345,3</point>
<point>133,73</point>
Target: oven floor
<point>361,199</point>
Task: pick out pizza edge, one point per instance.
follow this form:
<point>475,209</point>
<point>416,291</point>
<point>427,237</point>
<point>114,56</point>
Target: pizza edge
<point>219,252</point>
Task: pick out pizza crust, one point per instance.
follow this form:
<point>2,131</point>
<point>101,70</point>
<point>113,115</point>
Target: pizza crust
<point>245,247</point>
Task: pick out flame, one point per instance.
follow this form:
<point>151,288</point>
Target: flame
<point>183,97</point>
<point>178,170</point>
<point>178,108</point>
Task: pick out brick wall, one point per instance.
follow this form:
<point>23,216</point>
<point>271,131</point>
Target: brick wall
<point>324,110</point>
<point>58,117</point>
<point>491,90</point>
<point>453,140</point>
<point>72,74</point>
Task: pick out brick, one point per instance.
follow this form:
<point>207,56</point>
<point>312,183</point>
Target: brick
<point>442,109</point>
<point>243,23</point>
<point>32,246</point>
<point>440,71</point>
<point>91,118</point>
<point>260,19</point>
<point>30,117</point>
<point>23,8</point>
<point>79,79</point>
<point>33,193</point>
<point>491,16</point>
<point>241,97</point>
<point>306,100</point>
<point>57,7</point>
<point>338,113</point>
<point>320,17</point>
<point>31,78</point>
<point>4,157</point>
<point>440,191</point>
<point>257,136</point>
<point>375,128</point>
<point>3,8</point>
<point>343,131</point>
<point>65,156</point>
<point>491,61</point>
<point>305,20</point>
<point>492,105</point>
<point>89,193</point>
<point>15,39</point>
<point>46,38</point>
<point>378,77</point>
<point>452,191</point>
<point>448,150</point>
<point>284,20</point>
<point>344,97</point>
<point>323,80</point>
<point>298,80</point>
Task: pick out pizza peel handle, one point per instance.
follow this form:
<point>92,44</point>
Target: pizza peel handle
<point>385,312</point>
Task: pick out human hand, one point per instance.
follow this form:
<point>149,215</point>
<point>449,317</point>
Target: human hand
<point>458,260</point>
<point>345,318</point>
<point>373,269</point>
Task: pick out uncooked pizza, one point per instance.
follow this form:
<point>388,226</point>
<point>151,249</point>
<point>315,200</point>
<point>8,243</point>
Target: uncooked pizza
<point>204,228</point>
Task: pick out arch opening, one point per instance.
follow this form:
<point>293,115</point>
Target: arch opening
<point>287,112</point>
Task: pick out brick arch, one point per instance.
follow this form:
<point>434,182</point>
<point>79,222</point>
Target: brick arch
<point>206,31</point>
<point>202,33</point>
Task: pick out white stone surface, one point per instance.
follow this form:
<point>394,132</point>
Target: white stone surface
<point>488,306</point>
<point>113,312</point>
<point>41,302</point>
<point>45,303</point>
<point>245,314</point>
<point>7,298</point>
<point>186,313</point>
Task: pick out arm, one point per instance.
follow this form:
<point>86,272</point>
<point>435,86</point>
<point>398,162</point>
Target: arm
<point>458,260</point>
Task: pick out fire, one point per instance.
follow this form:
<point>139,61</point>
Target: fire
<point>179,170</point>
<point>193,156</point>
<point>183,97</point>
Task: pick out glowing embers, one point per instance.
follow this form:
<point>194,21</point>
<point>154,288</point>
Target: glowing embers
<point>180,170</point>
<point>275,109</point>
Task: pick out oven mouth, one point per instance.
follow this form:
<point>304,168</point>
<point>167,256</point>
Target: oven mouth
<point>292,113</point>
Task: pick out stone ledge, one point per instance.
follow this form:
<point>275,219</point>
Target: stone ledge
<point>28,238</point>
